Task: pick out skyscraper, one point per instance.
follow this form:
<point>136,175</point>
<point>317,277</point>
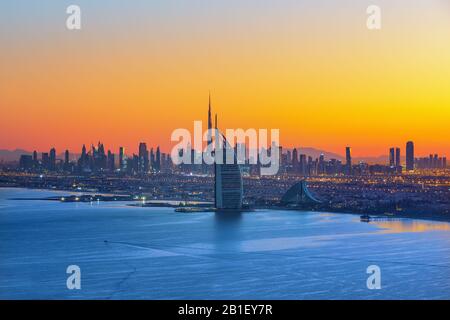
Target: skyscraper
<point>52,164</point>
<point>288,157</point>
<point>66,157</point>
<point>228,185</point>
<point>83,162</point>
<point>111,161</point>
<point>295,166</point>
<point>321,166</point>
<point>392,157</point>
<point>303,164</point>
<point>45,160</point>
<point>66,160</point>
<point>143,164</point>
<point>398,164</point>
<point>35,159</point>
<point>121,158</point>
<point>26,161</point>
<point>348,159</point>
<point>310,168</point>
<point>152,160</point>
<point>100,158</point>
<point>410,155</point>
<point>158,160</point>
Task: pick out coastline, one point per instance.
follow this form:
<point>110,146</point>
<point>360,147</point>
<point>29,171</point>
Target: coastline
<point>195,206</point>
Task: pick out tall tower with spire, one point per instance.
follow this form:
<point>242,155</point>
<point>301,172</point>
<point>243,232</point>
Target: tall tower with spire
<point>209,120</point>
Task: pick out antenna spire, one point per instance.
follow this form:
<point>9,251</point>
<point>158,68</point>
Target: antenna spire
<point>209,112</point>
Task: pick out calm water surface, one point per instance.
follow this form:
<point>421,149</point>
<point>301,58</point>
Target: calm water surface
<point>155,253</point>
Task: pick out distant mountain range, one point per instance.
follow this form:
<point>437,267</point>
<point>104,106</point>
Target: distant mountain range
<point>14,155</point>
<point>315,153</point>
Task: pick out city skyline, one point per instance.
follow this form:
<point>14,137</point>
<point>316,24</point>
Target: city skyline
<point>153,159</point>
<point>317,73</point>
<point>380,159</point>
<point>393,155</point>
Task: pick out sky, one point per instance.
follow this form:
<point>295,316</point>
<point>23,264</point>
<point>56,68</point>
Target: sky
<point>137,70</point>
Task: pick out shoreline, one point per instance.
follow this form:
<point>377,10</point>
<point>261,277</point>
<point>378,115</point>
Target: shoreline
<point>200,206</point>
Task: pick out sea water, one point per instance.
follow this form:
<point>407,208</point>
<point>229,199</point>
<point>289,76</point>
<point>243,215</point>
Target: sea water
<point>126,252</point>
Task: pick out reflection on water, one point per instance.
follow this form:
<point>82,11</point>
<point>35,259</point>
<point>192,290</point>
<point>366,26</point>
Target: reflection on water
<point>227,228</point>
<point>227,217</point>
<point>226,225</point>
<point>400,226</point>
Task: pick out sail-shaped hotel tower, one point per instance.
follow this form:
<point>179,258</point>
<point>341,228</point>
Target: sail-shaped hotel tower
<point>228,186</point>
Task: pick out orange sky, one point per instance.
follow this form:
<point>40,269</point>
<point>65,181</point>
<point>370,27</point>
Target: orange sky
<point>315,73</point>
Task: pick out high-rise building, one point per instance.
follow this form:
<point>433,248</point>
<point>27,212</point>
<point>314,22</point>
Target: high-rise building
<point>430,162</point>
<point>348,159</point>
<point>281,162</point>
<point>133,164</point>
<point>83,162</point>
<point>321,165</point>
<point>52,164</point>
<point>158,160</point>
<point>66,160</point>
<point>45,160</point>
<point>295,166</point>
<point>122,158</point>
<point>35,159</point>
<point>152,160</point>
<point>392,157</point>
<point>143,164</point>
<point>288,157</point>
<point>398,164</point>
<point>111,161</point>
<point>410,155</point>
<point>303,164</point>
<point>66,157</point>
<point>397,157</point>
<point>228,185</point>
<point>100,158</point>
<point>310,168</point>
<point>26,162</point>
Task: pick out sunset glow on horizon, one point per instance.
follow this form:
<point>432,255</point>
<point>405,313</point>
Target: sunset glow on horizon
<point>138,70</point>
